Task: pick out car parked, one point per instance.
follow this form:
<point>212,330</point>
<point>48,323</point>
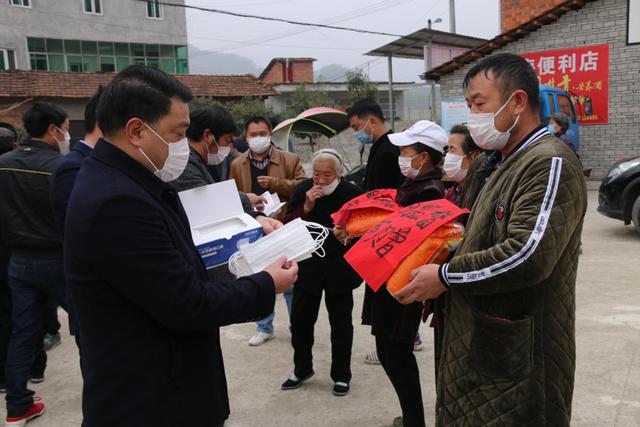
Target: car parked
<point>619,196</point>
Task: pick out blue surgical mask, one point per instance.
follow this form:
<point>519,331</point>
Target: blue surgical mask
<point>551,129</point>
<point>364,137</point>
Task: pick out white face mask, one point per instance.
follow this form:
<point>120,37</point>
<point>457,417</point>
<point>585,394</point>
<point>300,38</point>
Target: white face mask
<point>176,160</point>
<point>216,159</point>
<point>65,145</point>
<point>453,167</point>
<point>259,144</point>
<point>405,167</point>
<point>482,128</point>
<point>293,240</point>
<point>329,189</point>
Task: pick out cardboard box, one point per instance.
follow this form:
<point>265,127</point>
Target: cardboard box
<point>219,226</point>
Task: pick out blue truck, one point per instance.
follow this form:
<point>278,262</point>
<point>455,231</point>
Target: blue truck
<point>555,100</point>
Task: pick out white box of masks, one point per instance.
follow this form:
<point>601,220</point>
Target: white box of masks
<point>219,226</point>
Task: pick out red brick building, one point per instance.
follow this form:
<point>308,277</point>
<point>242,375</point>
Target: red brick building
<point>288,70</point>
<point>516,12</point>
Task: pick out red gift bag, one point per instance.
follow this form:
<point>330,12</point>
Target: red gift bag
<point>379,252</point>
<point>363,212</point>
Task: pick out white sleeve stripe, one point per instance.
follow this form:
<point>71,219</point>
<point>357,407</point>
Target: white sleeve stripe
<point>532,243</point>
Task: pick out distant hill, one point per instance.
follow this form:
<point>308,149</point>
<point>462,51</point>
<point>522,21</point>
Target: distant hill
<point>207,62</point>
<point>335,72</point>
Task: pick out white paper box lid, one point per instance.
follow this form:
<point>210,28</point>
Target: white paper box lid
<point>211,203</point>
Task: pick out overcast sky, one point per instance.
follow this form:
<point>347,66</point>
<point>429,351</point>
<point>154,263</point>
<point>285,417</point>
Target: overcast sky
<point>261,40</point>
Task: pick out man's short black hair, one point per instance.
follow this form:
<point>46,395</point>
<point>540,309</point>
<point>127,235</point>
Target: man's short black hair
<point>468,144</point>
<point>365,107</point>
<point>138,91</point>
<point>257,119</point>
<point>90,111</point>
<point>43,114</point>
<point>8,137</point>
<point>218,120</point>
<point>511,72</point>
<point>434,155</point>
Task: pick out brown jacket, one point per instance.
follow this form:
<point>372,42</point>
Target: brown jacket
<point>284,166</point>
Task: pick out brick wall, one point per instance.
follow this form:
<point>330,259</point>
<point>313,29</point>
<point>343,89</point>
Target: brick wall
<point>516,12</point>
<point>599,22</point>
<point>275,74</point>
<point>301,72</point>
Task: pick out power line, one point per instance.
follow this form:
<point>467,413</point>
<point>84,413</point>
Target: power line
<point>267,18</point>
<point>346,16</point>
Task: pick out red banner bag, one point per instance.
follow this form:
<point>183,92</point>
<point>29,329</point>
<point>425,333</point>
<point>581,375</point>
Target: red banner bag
<point>360,214</point>
<point>427,228</point>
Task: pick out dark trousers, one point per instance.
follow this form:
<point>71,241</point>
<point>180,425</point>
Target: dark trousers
<point>32,281</point>
<point>51,324</point>
<point>304,314</point>
<point>40,357</point>
<point>401,367</point>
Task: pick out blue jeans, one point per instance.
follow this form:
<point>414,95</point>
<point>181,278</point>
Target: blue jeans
<point>266,325</point>
<point>32,281</point>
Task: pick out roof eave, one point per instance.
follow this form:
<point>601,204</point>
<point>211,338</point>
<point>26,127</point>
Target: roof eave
<point>504,39</point>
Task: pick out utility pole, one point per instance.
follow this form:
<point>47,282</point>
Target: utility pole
<point>452,16</point>
<point>432,94</point>
<point>392,113</point>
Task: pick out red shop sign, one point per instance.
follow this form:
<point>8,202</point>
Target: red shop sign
<point>582,72</point>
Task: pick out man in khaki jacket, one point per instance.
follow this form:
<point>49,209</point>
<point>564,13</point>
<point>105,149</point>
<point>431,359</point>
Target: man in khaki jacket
<point>266,168</point>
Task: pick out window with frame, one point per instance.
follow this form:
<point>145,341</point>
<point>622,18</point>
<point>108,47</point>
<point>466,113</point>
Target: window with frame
<point>567,109</point>
<point>7,59</point>
<point>23,3</point>
<point>4,60</point>
<point>92,6</point>
<point>154,9</point>
<point>91,56</point>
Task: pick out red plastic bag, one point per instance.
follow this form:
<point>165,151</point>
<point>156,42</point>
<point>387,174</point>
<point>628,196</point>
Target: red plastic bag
<point>379,252</point>
<point>360,214</point>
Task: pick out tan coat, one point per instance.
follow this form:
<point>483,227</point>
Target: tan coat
<point>284,166</point>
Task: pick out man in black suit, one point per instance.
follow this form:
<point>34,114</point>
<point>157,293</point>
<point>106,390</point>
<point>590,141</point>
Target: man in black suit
<point>149,319</point>
<point>64,177</point>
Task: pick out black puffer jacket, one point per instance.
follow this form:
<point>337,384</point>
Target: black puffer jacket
<point>26,215</point>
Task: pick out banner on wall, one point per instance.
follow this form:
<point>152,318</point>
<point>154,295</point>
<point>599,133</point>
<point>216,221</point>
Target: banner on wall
<point>453,112</point>
<point>633,22</point>
<point>582,72</point>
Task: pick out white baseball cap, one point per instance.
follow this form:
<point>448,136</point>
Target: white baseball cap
<point>422,132</point>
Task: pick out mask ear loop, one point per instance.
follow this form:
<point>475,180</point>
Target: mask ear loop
<point>238,266</point>
<point>319,233</point>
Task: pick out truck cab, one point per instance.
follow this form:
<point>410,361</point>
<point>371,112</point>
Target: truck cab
<point>555,100</point>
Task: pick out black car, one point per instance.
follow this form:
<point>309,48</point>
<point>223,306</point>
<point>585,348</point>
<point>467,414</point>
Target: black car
<point>619,196</point>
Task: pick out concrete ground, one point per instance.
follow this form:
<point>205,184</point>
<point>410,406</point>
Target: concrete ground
<point>607,389</point>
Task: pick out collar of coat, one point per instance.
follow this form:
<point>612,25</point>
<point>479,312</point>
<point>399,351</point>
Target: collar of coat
<point>275,156</point>
<point>38,144</point>
<point>534,136</point>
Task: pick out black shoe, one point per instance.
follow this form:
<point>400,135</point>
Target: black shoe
<point>3,387</point>
<point>291,384</point>
<point>341,389</point>
<point>36,378</point>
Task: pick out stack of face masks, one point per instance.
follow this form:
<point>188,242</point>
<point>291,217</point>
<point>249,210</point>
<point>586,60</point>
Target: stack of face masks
<point>293,240</point>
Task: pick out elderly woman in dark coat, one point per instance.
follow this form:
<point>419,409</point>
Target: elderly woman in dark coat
<point>314,200</point>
